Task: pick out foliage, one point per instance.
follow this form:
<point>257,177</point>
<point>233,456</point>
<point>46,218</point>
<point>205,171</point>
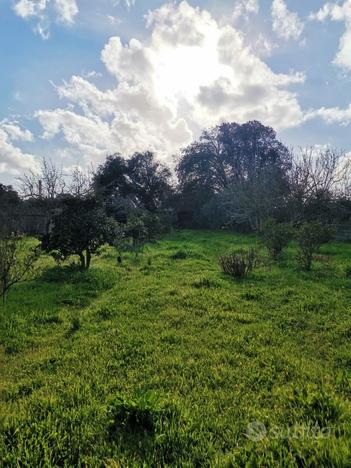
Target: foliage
<point>275,237</point>
<point>10,204</point>
<point>245,162</point>
<point>80,228</point>
<point>120,240</point>
<point>240,263</point>
<point>310,236</point>
<point>17,262</point>
<point>141,180</point>
<point>179,255</point>
<point>231,152</point>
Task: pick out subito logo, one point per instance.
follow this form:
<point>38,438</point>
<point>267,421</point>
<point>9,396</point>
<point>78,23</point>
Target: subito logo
<point>256,431</point>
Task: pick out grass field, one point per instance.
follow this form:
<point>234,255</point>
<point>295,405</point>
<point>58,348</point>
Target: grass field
<point>165,361</point>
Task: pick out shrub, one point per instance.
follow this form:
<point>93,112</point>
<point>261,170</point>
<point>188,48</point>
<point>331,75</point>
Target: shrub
<point>179,255</point>
<point>17,262</point>
<point>275,237</point>
<point>310,237</point>
<point>238,264</point>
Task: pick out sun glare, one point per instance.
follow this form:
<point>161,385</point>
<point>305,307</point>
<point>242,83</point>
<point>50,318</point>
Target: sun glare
<point>183,70</point>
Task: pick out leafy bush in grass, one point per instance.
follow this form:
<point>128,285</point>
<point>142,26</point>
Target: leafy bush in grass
<point>179,255</point>
<point>275,237</point>
<point>310,237</point>
<point>240,263</point>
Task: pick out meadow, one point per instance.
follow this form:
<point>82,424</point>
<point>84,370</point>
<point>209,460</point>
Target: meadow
<point>165,361</point>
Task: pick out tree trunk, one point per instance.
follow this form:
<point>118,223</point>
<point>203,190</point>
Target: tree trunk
<point>88,259</point>
<point>4,291</point>
<point>82,261</point>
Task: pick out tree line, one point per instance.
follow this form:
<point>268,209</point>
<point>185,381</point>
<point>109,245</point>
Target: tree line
<point>235,176</point>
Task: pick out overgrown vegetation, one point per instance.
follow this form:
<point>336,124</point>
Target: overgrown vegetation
<point>174,364</point>
<point>160,359</point>
<point>275,237</point>
<point>310,237</point>
<point>238,264</point>
<point>17,262</point>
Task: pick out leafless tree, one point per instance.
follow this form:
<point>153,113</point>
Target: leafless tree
<point>253,201</point>
<point>80,183</point>
<point>317,178</point>
<point>46,184</point>
<point>321,170</point>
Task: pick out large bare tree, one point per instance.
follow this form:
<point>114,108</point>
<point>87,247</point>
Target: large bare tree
<point>318,176</point>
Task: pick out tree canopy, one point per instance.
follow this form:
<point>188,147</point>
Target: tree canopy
<point>80,227</point>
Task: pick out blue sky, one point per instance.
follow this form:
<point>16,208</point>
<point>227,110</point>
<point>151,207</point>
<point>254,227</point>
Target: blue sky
<point>81,79</point>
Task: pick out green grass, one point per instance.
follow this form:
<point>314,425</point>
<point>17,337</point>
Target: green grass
<point>165,361</point>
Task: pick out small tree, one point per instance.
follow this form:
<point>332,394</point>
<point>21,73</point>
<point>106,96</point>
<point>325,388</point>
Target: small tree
<point>17,262</point>
<point>310,236</point>
<point>275,237</point>
<point>137,231</point>
<point>120,240</point>
<point>80,228</point>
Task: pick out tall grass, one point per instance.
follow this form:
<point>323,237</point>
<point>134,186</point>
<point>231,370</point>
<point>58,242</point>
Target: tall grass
<point>168,362</point>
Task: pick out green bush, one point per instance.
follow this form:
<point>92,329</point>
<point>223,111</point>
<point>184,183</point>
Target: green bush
<point>310,237</point>
<point>275,237</point>
<point>179,255</point>
<point>240,263</point>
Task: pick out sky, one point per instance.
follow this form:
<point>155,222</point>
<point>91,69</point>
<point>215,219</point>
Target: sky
<point>81,79</point>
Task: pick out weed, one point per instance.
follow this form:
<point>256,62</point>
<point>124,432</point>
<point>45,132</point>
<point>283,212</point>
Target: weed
<point>238,264</point>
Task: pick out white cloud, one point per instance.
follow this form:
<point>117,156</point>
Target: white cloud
<point>12,160</point>
<point>331,115</point>
<point>191,73</point>
<point>127,3</point>
<point>243,8</point>
<point>15,132</point>
<point>43,11</point>
<point>339,12</point>
<point>286,24</point>
<point>66,10</point>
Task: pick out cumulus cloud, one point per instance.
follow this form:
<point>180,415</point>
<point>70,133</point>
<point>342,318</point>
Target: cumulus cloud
<point>190,73</point>
<point>338,12</point>
<point>13,161</point>
<point>43,11</point>
<point>286,24</point>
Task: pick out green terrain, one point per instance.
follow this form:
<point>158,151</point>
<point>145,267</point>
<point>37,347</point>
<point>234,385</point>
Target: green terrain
<point>165,361</point>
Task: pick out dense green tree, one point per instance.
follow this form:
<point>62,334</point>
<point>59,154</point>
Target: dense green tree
<point>80,227</point>
<point>246,163</point>
<point>139,182</point>
<point>231,152</point>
